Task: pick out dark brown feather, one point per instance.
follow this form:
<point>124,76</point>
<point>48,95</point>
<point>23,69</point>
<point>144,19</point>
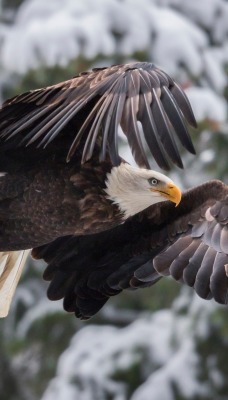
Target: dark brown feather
<point>42,199</point>
<point>87,110</point>
<point>186,242</point>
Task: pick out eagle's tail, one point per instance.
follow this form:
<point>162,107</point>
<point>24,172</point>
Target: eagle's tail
<point>11,266</point>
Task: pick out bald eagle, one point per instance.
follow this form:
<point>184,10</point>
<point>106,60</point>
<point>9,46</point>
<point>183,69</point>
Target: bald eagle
<point>101,224</point>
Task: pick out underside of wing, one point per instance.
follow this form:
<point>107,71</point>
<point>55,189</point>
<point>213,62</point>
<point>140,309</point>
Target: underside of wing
<point>199,258</point>
<point>139,97</point>
<point>189,242</point>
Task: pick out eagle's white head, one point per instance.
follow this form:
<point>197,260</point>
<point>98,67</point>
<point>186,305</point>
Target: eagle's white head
<point>134,189</point>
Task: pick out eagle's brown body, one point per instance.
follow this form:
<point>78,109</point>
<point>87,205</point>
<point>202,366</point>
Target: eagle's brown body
<point>57,145</point>
<point>42,198</point>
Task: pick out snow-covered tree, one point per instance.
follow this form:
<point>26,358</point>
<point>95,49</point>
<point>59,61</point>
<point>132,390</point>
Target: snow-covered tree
<point>158,346</point>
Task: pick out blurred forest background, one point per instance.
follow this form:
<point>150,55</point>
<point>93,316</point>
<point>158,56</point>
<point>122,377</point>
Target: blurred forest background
<point>158,343</point>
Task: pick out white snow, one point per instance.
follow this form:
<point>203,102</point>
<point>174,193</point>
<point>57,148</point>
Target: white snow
<point>204,11</point>
<point>53,39</point>
<point>181,370</point>
<point>206,104</point>
<point>55,32</point>
<point>177,41</point>
<point>87,367</point>
<point>213,69</point>
<point>211,14</point>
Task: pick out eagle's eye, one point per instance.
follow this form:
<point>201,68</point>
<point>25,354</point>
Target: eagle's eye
<point>153,181</point>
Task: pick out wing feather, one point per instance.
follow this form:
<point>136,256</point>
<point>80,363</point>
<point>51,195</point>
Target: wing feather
<point>151,133</point>
<point>177,119</point>
<point>129,121</point>
<point>163,129</point>
<point>194,263</point>
<point>183,103</point>
<point>188,242</point>
<point>178,267</point>
<point>203,277</point>
<point>93,105</point>
<point>119,111</point>
<point>219,280</point>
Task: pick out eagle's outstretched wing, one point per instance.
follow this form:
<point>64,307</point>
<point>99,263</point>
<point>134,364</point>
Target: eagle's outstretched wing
<point>94,104</point>
<point>189,243</point>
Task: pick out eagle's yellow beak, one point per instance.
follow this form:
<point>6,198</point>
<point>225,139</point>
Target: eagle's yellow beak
<point>170,191</point>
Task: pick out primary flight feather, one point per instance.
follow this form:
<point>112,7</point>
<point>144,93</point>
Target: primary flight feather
<point>63,184</point>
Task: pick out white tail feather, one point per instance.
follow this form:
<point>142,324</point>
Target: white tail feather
<point>11,267</point>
